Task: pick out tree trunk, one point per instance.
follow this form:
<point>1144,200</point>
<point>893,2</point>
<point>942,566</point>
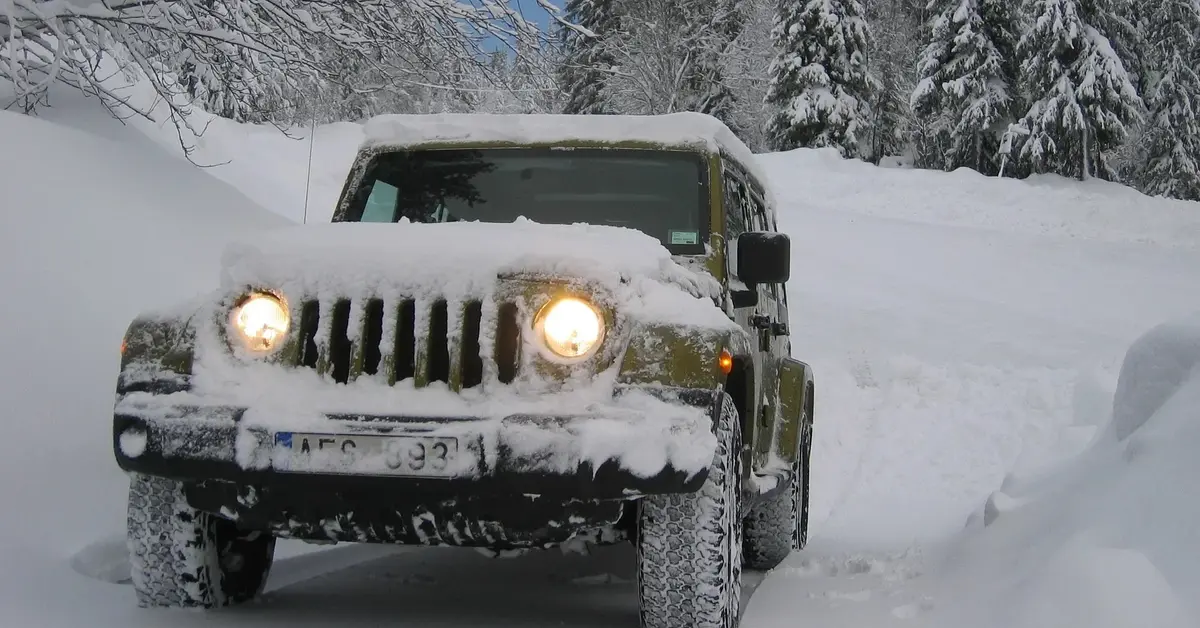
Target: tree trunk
<point>1087,158</point>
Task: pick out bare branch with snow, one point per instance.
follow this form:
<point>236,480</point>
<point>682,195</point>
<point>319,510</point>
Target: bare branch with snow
<point>254,60</point>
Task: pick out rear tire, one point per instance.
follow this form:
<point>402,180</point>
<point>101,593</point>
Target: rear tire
<point>778,525</point>
<point>800,541</point>
<point>689,546</point>
<point>185,558</point>
<point>772,526</point>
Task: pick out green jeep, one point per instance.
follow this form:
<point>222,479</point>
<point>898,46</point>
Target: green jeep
<point>517,332</point>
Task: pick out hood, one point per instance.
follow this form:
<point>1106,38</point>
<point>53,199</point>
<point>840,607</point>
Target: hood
<point>460,261</point>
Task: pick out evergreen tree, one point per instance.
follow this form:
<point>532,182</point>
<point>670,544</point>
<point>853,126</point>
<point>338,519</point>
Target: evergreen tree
<point>1123,21</point>
<point>888,125</point>
<point>586,62</point>
<point>1081,97</point>
<point>1172,133</point>
<point>820,86</point>
<point>967,90</point>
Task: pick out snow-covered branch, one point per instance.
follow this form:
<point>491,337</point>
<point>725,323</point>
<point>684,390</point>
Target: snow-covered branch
<point>258,60</point>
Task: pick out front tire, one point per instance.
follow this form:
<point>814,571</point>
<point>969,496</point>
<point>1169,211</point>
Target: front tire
<point>185,558</point>
<point>689,546</point>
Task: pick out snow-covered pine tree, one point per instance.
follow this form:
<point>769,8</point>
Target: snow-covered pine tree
<point>967,91</point>
<point>1129,41</point>
<point>1123,22</point>
<point>587,61</point>
<point>1081,97</point>
<point>819,80</point>
<point>1172,131</point>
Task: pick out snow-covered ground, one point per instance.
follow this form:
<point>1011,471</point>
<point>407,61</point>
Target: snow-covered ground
<point>966,335</point>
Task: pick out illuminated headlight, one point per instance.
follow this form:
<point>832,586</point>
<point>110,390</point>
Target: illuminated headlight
<point>570,327</point>
<point>261,320</point>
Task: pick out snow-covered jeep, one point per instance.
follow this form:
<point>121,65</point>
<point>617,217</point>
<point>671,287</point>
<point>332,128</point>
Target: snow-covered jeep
<point>517,332</point>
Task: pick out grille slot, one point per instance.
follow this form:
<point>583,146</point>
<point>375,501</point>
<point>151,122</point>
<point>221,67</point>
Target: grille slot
<point>472,362</point>
<point>439,347</point>
<point>406,341</point>
<point>310,319</point>
<point>508,336</point>
<point>372,336</point>
<point>339,342</point>
<point>344,339</point>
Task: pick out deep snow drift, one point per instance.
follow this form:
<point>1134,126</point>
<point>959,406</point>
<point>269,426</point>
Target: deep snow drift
<point>1107,539</point>
<point>966,333</point>
<point>92,231</point>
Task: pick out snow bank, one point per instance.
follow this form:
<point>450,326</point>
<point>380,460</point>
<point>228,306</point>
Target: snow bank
<point>1154,368</point>
<point>272,168</point>
<point>92,231</point>
<point>1043,205</point>
<point>279,170</point>
<point>1107,538</point>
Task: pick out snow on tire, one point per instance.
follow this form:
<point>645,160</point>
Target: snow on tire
<point>800,541</point>
<point>690,545</point>
<point>185,558</point>
<point>777,525</point>
<point>771,527</point>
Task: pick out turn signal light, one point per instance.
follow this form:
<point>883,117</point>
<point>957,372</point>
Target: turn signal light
<point>725,361</point>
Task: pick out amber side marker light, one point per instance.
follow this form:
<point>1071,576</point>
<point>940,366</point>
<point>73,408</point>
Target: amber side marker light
<point>725,361</point>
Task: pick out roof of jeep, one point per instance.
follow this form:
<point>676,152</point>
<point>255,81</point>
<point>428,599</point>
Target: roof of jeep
<point>677,130</point>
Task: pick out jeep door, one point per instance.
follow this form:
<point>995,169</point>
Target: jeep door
<point>766,320</point>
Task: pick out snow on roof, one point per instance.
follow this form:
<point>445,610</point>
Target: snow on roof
<point>688,129</point>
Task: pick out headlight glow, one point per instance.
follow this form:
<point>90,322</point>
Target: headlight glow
<point>571,327</point>
<point>262,321</point>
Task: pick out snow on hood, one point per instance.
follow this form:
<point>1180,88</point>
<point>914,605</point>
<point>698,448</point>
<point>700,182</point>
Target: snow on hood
<point>461,260</point>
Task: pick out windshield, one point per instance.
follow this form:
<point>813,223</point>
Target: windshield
<point>661,193</point>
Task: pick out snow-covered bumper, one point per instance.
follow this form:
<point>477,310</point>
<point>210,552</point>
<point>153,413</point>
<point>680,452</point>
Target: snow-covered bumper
<point>612,452</point>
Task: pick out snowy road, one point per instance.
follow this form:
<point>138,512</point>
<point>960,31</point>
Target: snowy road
<point>955,330</point>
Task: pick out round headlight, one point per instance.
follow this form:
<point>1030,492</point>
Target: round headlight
<point>571,327</point>
<point>261,320</point>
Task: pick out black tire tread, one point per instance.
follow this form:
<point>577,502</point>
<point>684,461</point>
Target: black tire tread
<point>181,557</point>
<point>770,527</point>
<point>778,525</point>
<point>689,545</point>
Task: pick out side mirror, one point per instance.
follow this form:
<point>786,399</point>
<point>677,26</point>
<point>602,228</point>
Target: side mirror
<point>764,257</point>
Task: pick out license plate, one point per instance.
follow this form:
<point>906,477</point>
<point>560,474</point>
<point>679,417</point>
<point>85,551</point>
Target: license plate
<point>366,454</point>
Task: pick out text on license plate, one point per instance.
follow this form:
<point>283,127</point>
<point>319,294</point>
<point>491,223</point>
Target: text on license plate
<point>367,454</point>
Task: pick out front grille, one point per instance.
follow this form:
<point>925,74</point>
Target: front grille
<point>396,341</point>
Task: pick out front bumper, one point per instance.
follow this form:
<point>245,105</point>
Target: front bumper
<point>520,454</point>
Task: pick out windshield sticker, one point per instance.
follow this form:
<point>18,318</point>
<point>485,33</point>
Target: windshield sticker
<point>684,237</point>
